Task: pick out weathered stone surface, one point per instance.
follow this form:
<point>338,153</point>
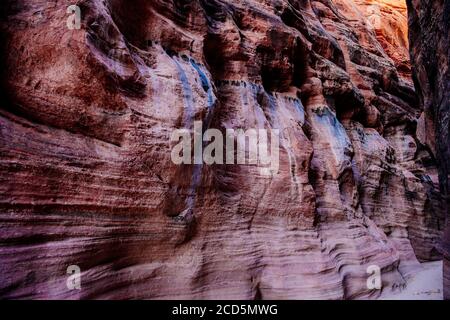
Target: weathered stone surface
<point>87,179</point>
<point>429,23</point>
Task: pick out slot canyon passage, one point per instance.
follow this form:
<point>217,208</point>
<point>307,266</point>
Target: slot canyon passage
<point>86,176</point>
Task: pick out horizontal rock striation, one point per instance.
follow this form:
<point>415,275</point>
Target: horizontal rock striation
<point>86,174</point>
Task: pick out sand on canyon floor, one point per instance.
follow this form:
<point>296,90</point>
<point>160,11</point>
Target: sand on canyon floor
<point>427,284</point>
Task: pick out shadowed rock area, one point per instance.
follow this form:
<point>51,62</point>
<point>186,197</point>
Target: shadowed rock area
<point>429,23</point>
<point>86,176</point>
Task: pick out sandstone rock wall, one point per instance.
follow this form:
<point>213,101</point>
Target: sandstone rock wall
<point>429,23</point>
<point>87,179</point>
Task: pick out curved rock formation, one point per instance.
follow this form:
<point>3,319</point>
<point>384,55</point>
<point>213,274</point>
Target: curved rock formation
<point>86,173</point>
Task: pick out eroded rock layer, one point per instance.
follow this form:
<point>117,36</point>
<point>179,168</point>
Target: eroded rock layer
<point>86,174</point>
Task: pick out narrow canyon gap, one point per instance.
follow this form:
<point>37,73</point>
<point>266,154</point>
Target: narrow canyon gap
<point>429,33</point>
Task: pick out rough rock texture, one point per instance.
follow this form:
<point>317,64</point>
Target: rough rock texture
<point>85,169</point>
<point>429,23</point>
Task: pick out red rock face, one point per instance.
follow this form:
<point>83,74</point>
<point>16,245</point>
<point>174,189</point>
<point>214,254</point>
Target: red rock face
<point>429,33</point>
<point>85,163</point>
<point>388,18</point>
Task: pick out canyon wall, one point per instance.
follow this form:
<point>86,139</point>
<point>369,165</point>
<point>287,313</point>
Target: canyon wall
<point>429,23</point>
<point>85,153</point>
